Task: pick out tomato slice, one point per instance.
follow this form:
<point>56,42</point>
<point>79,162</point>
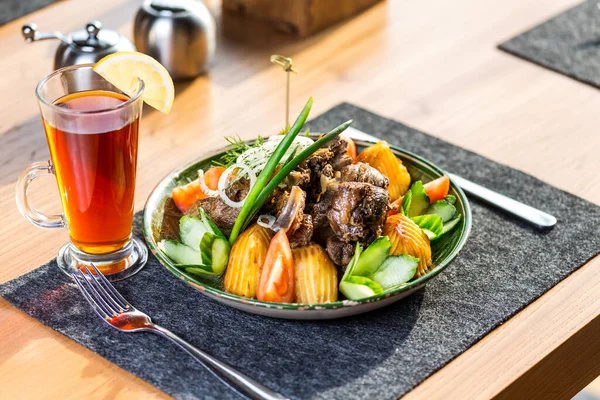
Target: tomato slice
<point>185,196</point>
<point>396,206</point>
<point>277,280</point>
<point>438,188</point>
<point>351,151</point>
<point>211,177</point>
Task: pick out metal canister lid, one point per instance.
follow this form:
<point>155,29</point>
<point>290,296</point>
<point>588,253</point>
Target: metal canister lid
<point>170,8</point>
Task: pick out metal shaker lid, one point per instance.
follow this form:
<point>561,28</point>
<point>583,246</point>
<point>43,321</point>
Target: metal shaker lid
<point>94,38</point>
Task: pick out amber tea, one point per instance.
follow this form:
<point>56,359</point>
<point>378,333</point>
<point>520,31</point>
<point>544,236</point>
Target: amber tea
<point>92,132</point>
<point>95,168</point>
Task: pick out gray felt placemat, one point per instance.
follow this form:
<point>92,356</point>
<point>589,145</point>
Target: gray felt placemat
<point>568,43</point>
<point>381,355</point>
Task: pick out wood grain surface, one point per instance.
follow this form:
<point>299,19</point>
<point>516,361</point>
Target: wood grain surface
<point>433,65</point>
<point>297,17</point>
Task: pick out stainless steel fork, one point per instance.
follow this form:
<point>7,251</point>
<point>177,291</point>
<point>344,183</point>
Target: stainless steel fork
<point>118,313</point>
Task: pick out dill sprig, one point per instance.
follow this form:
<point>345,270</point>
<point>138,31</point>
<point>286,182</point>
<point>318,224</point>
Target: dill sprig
<point>236,147</point>
<point>284,130</point>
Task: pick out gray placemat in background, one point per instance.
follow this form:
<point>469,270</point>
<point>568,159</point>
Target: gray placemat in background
<point>381,355</point>
<point>13,9</point>
<point>568,43</point>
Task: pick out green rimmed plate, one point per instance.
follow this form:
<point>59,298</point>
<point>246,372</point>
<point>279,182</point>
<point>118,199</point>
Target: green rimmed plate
<point>444,251</point>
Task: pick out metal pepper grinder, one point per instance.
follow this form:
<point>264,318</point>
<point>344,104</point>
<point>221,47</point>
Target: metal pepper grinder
<point>180,34</point>
<point>83,46</point>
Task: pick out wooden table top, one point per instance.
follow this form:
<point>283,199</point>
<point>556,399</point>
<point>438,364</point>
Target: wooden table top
<point>433,65</point>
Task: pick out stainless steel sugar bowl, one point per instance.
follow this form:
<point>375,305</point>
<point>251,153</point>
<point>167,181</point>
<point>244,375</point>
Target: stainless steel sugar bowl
<point>83,46</point>
<point>180,34</point>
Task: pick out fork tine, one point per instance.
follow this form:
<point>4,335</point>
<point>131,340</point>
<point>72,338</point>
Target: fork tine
<point>95,306</point>
<point>94,280</point>
<point>94,292</point>
<point>102,290</point>
<point>111,289</point>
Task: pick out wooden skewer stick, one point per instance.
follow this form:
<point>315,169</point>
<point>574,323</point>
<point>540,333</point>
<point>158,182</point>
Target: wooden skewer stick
<point>286,64</point>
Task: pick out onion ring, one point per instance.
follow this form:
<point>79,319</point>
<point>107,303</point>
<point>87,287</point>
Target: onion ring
<point>224,183</point>
<point>270,221</point>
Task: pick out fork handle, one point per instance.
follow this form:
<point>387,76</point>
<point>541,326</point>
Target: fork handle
<point>236,380</point>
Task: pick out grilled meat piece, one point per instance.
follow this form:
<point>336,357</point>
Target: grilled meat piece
<point>311,187</point>
<point>238,189</point>
<point>321,208</point>
<point>317,161</point>
<point>302,235</point>
<point>275,201</point>
<point>363,172</point>
<point>280,199</point>
<point>169,228</point>
<point>325,161</point>
<point>334,154</point>
<point>327,172</point>
<point>290,210</point>
<point>321,235</point>
<point>340,159</point>
<point>298,177</point>
<point>220,213</point>
<point>340,251</point>
<point>358,211</point>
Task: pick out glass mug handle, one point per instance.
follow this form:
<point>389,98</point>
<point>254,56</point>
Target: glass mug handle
<point>31,214</point>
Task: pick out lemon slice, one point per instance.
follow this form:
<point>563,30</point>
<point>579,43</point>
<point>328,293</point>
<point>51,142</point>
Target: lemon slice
<point>123,68</point>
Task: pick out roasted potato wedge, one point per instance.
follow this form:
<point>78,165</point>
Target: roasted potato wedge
<point>408,238</point>
<point>246,260</point>
<point>380,157</point>
<point>316,275</point>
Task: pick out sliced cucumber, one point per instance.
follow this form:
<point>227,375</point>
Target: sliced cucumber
<point>353,262</point>
<point>359,287</point>
<point>220,255</point>
<point>442,208</point>
<point>191,231</point>
<point>372,257</point>
<point>396,270</point>
<point>180,253</point>
<point>406,202</point>
<point>202,236</point>
<point>448,226</point>
<point>209,224</point>
<point>450,199</point>
<point>215,252</point>
<point>419,201</point>
<point>206,248</point>
<point>432,225</point>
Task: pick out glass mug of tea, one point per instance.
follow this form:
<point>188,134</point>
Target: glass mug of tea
<point>92,133</point>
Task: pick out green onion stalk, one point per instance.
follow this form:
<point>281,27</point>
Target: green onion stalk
<point>292,164</point>
<point>267,171</point>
